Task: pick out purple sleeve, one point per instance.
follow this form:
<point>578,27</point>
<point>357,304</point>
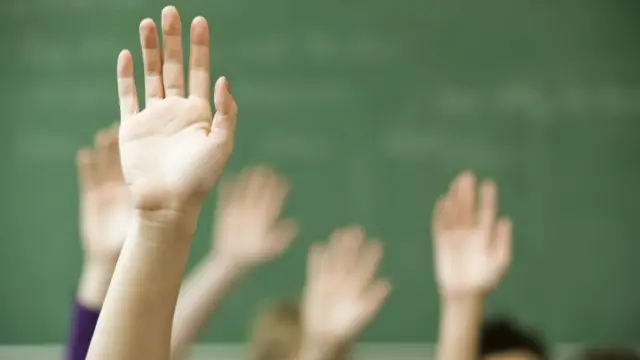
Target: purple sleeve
<point>83,325</point>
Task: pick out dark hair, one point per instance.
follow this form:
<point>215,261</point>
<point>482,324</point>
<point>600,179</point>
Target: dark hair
<point>608,354</point>
<point>502,334</point>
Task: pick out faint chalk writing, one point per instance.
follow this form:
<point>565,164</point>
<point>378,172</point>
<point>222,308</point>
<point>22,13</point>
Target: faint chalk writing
<point>418,146</point>
<point>565,102</point>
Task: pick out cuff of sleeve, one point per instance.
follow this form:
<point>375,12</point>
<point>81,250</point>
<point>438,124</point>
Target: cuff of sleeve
<point>84,324</point>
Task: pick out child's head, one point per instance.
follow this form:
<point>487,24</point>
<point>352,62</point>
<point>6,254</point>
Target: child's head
<point>277,332</point>
<point>503,339</point>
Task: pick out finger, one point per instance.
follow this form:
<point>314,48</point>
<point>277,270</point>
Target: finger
<point>438,216</point>
<point>281,186</point>
<point>345,249</point>
<point>127,95</point>
<point>336,241</point>
<point>275,194</point>
<point>257,178</point>
<point>108,155</point>
<point>223,126</point>
<point>199,63</point>
<point>315,262</point>
<point>172,66</point>
<point>368,263</point>
<point>85,165</point>
<point>226,190</point>
<point>373,299</point>
<point>466,194</point>
<point>502,243</point>
<point>100,141</point>
<point>282,235</point>
<point>152,61</point>
<point>116,164</point>
<point>448,214</point>
<point>488,206</point>
<point>454,203</point>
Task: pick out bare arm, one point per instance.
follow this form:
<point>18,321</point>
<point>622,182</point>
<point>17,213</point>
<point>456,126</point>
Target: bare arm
<point>342,293</point>
<point>247,233</point>
<point>460,322</point>
<point>472,252</point>
<point>312,352</point>
<point>139,307</point>
<point>92,290</point>
<point>93,285</point>
<point>105,213</point>
<point>200,296</point>
<point>172,154</point>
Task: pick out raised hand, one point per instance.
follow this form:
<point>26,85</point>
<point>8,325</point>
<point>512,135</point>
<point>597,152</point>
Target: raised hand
<point>247,232</point>
<point>105,214</point>
<point>247,228</point>
<point>472,248</point>
<point>342,293</point>
<point>105,203</point>
<point>173,151</point>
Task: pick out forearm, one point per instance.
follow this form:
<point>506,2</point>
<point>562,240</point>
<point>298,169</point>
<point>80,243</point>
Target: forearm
<point>204,289</point>
<point>460,323</point>
<point>322,350</point>
<point>314,354</point>
<point>138,309</point>
<point>92,289</point>
<point>94,283</point>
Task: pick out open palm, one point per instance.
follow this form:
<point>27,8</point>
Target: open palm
<point>172,151</point>
<point>105,202</point>
<point>472,248</point>
<point>342,293</point>
<point>248,231</point>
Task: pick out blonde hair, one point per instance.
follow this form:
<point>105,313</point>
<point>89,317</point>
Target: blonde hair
<point>277,332</point>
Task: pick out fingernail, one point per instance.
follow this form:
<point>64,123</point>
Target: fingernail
<point>227,85</point>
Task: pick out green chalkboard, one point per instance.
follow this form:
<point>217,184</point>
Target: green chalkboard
<point>370,107</point>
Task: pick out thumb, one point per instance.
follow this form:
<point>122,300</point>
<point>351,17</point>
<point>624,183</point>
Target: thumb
<point>224,121</point>
<point>86,165</point>
<point>373,299</point>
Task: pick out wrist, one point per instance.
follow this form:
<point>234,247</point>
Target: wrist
<point>166,225</point>
<point>460,323</point>
<point>462,313</point>
<point>94,283</point>
<point>469,301</point>
<point>230,269</point>
<point>458,295</point>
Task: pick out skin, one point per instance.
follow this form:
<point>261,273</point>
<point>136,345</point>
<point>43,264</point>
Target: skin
<point>105,213</point>
<point>342,293</point>
<point>472,251</point>
<point>248,233</point>
<point>172,154</point>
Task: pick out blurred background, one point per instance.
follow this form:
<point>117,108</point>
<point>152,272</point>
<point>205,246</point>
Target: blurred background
<point>370,107</point>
